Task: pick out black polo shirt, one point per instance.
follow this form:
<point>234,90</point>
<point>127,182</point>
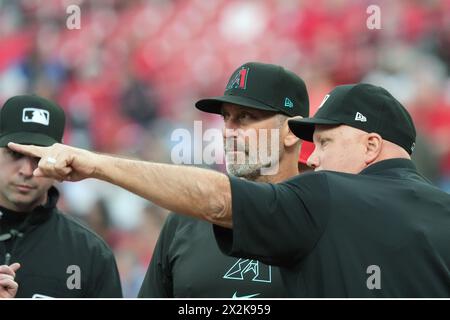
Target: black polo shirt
<point>187,263</point>
<point>382,233</point>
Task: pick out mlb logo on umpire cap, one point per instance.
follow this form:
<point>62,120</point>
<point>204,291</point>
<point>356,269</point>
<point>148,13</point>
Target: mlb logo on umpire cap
<point>36,115</point>
<point>30,119</point>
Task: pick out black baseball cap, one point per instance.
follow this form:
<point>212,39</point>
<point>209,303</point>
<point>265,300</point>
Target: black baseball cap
<point>30,119</point>
<point>262,86</point>
<point>365,107</point>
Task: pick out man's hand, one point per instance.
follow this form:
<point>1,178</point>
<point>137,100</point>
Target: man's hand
<point>182,189</point>
<point>60,162</point>
<point>8,287</point>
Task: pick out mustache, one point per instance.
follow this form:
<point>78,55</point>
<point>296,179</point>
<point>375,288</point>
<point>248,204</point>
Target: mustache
<point>231,145</point>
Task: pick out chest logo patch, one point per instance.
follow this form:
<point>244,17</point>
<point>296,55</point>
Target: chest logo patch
<point>253,270</point>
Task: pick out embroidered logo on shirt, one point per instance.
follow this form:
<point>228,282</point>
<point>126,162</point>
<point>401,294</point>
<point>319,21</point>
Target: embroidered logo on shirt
<point>253,270</point>
<point>41,296</point>
<point>235,296</point>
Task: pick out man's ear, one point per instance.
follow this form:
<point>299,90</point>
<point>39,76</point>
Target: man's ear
<point>374,144</point>
<point>290,139</point>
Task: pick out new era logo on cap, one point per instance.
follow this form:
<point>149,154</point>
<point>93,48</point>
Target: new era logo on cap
<point>288,103</point>
<point>36,115</point>
<point>360,117</point>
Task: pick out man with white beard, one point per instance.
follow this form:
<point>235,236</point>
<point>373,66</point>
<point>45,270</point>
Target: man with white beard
<point>258,101</point>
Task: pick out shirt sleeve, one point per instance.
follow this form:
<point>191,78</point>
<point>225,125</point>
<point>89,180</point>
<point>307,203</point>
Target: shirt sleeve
<point>158,282</point>
<point>277,224</point>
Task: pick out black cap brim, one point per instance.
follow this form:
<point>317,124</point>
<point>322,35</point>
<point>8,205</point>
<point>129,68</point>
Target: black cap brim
<point>214,105</point>
<point>304,128</point>
<point>33,138</point>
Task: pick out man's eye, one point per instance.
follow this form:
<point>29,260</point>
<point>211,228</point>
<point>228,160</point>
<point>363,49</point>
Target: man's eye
<point>245,116</point>
<point>15,155</point>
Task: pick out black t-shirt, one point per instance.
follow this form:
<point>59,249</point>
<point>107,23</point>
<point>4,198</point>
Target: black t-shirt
<point>187,263</point>
<point>382,233</point>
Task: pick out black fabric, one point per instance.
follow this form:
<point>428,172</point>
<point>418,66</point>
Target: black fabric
<point>187,263</point>
<point>363,106</point>
<point>262,86</point>
<point>48,246</point>
<point>329,230</point>
<point>30,119</point>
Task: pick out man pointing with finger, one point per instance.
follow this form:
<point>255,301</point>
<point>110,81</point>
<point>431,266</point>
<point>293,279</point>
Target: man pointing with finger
<point>378,228</point>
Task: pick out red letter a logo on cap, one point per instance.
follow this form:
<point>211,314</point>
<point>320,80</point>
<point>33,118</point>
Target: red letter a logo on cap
<point>239,80</point>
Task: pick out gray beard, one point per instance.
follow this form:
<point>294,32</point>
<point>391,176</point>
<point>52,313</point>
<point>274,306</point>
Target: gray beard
<point>249,171</point>
<point>250,167</point>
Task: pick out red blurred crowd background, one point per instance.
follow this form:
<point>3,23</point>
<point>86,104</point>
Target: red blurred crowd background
<point>132,72</point>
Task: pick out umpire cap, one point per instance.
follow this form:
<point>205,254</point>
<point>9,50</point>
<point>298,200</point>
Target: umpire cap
<point>30,119</point>
<point>365,107</point>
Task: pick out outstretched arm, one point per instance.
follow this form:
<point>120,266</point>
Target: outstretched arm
<point>201,193</point>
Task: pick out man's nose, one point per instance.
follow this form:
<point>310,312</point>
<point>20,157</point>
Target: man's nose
<point>313,161</point>
<point>230,131</point>
<point>27,166</point>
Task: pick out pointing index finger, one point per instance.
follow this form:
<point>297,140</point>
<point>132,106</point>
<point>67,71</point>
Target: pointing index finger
<point>28,150</point>
<point>15,266</point>
<point>4,269</point>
